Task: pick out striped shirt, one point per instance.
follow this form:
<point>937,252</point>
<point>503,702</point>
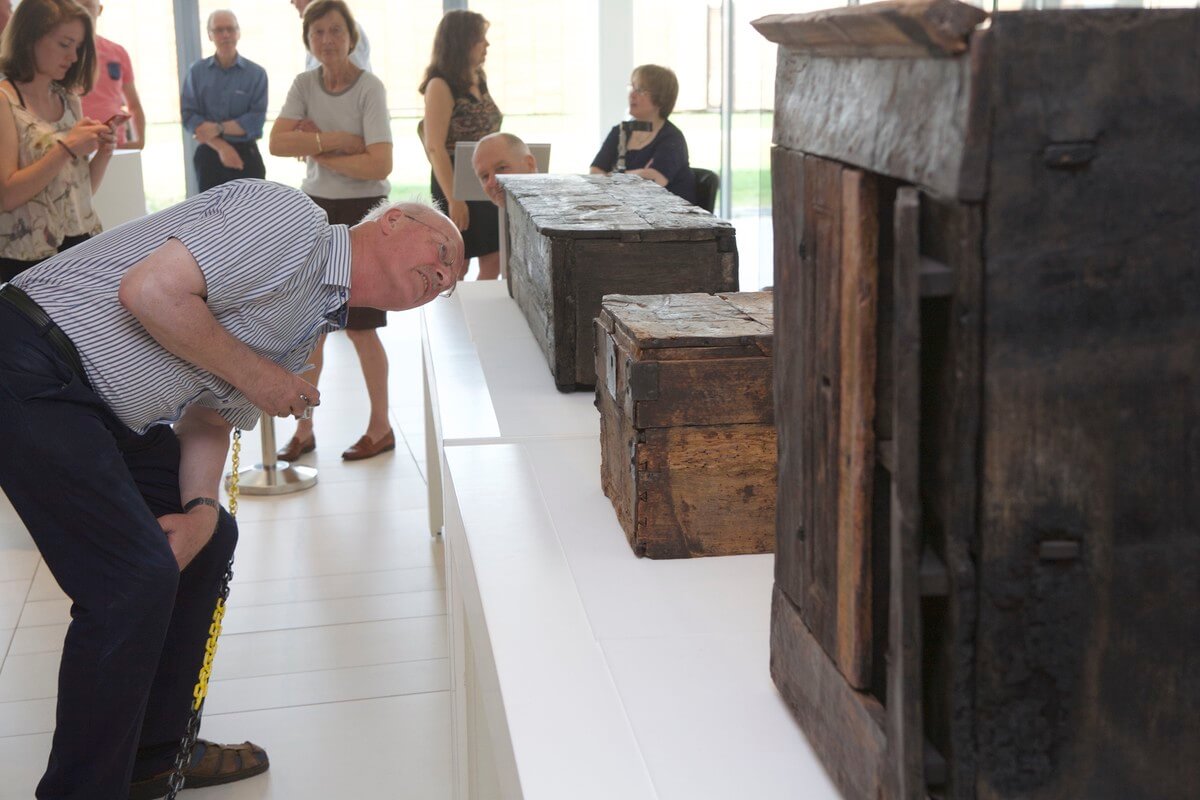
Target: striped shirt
<point>278,276</point>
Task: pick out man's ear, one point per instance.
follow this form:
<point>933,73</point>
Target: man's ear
<point>531,163</point>
<point>389,223</point>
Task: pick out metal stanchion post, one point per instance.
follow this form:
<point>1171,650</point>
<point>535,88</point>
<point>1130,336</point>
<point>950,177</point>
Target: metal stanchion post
<point>273,476</point>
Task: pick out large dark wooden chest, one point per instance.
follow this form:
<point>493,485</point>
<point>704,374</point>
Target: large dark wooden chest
<point>575,238</point>
<point>987,320</point>
<point>687,426</point>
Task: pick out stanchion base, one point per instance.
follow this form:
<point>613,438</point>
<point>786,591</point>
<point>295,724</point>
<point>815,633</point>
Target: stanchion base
<point>282,478</point>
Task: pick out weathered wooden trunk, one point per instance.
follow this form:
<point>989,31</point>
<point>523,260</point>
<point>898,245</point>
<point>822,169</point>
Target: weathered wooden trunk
<point>576,238</point>
<point>687,426</point>
<point>987,315</point>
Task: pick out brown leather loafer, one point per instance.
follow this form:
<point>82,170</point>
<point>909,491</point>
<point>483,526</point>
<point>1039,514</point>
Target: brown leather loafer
<point>365,448</point>
<point>296,447</point>
<point>212,764</point>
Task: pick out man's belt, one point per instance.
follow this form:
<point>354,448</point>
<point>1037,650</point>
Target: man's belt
<point>25,305</point>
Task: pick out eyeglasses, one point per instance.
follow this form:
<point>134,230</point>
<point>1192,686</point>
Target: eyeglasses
<point>224,29</point>
<point>444,255</point>
<point>636,89</point>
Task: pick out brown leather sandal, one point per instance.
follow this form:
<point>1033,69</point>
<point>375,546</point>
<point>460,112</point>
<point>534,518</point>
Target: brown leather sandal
<point>212,765</point>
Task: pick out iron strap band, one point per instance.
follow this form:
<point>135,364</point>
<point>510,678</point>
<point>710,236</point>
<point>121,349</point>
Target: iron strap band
<point>26,307</point>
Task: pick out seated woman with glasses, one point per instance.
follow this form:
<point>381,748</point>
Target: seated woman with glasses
<point>661,153</point>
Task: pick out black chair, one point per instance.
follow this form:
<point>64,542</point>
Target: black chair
<point>707,184</point>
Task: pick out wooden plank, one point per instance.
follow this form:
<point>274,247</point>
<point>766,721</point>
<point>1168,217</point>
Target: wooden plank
<point>1090,417</point>
<point>951,233</point>
<point>890,29</point>
<point>821,354</point>
<point>568,343</point>
<point>694,320</point>
<point>904,702</point>
<point>787,188</point>
<point>530,279</point>
<point>759,306</point>
<point>844,727</point>
<point>685,508</point>
<point>616,207</point>
<point>856,434</point>
<point>618,441</point>
<point>709,392</point>
<point>603,267</point>
<point>832,107</point>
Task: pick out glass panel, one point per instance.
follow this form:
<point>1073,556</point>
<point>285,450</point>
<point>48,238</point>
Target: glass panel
<point>150,40</point>
<point>686,35</point>
<point>542,71</point>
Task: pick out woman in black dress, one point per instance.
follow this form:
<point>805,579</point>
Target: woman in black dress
<point>458,108</point>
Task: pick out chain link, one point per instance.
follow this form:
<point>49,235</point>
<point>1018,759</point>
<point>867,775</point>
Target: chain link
<point>188,743</point>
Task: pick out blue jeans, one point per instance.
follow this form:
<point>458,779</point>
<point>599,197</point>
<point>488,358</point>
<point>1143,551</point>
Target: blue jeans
<point>90,491</point>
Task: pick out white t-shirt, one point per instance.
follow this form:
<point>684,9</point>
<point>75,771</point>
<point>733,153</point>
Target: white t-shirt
<point>360,109</point>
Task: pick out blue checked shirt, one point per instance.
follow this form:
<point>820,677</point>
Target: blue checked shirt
<point>239,93</point>
<point>278,277</point>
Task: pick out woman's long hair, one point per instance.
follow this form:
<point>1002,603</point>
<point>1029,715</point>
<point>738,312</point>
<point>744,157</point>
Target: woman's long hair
<point>32,20</point>
<point>457,33</point>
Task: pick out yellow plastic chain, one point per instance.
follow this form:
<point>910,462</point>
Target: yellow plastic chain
<point>214,630</point>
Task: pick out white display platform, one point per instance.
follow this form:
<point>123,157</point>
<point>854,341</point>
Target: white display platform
<point>486,380</point>
<point>122,196</point>
<point>580,671</point>
<point>595,674</point>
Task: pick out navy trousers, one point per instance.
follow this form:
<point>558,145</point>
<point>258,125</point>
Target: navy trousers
<point>90,491</point>
<point>211,172</point>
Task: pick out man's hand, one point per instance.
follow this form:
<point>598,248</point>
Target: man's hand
<point>189,533</point>
<point>228,155</point>
<point>206,132</point>
<point>281,394</point>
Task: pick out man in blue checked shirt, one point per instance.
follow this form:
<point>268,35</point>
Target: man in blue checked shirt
<point>125,362</point>
<point>223,105</point>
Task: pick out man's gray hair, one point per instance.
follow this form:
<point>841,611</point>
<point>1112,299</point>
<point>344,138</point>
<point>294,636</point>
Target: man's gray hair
<point>208,25</point>
<point>414,207</point>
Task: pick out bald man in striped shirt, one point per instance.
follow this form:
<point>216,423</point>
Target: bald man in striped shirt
<point>124,365</point>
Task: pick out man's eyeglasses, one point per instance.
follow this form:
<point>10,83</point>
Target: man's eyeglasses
<point>444,255</point>
<point>636,89</point>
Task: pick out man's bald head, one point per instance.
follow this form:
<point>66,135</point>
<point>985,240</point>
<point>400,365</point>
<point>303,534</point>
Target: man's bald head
<point>501,154</point>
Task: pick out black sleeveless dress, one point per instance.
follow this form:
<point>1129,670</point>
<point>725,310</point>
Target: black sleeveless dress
<point>470,121</point>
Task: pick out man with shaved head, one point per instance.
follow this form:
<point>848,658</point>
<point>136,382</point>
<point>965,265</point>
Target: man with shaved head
<point>501,154</point>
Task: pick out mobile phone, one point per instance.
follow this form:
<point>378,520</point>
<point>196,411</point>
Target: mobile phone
<point>119,118</point>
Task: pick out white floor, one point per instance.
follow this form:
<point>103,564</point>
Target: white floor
<point>334,650</point>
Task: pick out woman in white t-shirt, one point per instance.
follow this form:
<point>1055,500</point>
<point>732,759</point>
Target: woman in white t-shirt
<point>336,118</point>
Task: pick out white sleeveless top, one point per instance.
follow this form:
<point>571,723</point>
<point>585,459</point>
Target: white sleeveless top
<point>36,229</point>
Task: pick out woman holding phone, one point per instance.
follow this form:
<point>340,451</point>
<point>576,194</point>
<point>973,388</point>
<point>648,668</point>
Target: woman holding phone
<point>47,56</point>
